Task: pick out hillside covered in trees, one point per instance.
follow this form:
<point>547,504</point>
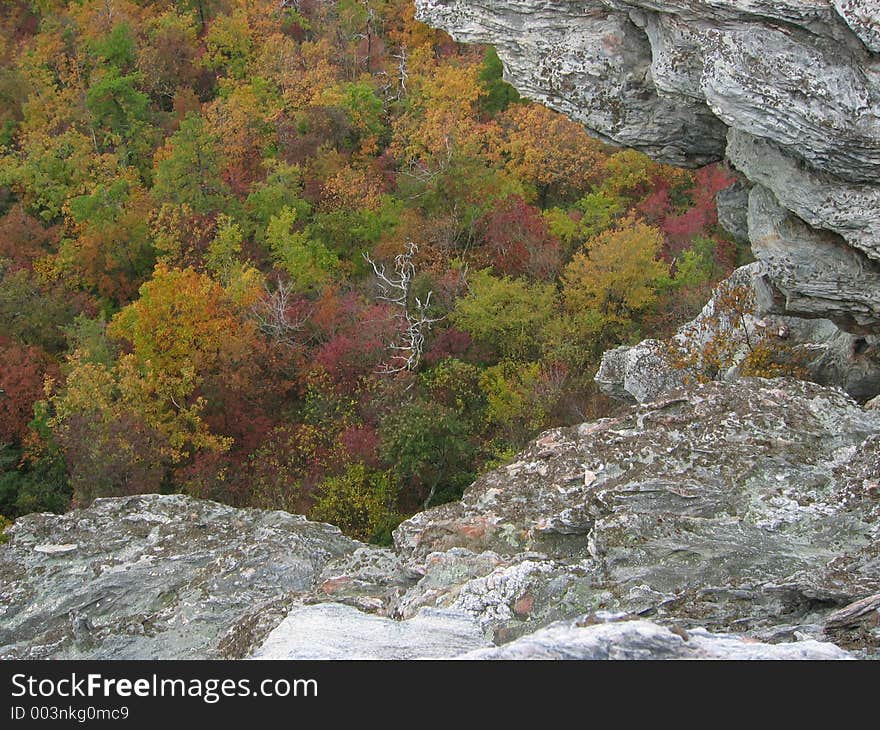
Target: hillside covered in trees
<point>312,256</point>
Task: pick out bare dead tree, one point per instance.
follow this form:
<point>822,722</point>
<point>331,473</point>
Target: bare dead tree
<point>411,311</point>
<point>369,32</point>
<point>278,318</point>
<point>395,88</point>
<point>402,59</point>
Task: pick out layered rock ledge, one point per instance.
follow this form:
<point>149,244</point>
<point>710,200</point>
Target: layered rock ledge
<point>692,526</point>
<point>788,92</point>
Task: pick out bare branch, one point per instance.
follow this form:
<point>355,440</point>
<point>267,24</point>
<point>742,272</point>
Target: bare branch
<point>411,315</point>
<point>394,88</point>
<point>277,316</point>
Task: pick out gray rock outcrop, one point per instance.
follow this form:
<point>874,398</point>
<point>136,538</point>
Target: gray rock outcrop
<point>826,354</point>
<point>643,640</point>
<point>748,509</point>
<point>788,92</point>
<point>154,577</point>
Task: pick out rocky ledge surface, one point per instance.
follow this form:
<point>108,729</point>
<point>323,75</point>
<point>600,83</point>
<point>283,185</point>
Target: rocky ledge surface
<point>707,523</point>
<point>154,577</point>
<point>642,640</point>
<point>335,631</point>
<point>750,509</point>
<point>788,92</point>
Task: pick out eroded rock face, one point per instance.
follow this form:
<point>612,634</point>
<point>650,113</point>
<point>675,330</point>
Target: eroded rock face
<point>828,355</point>
<point>818,274</point>
<point>154,577</point>
<point>788,92</point>
<point>748,507</point>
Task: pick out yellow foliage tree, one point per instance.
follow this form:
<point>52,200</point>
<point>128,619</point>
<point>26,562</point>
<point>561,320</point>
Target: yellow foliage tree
<point>441,118</point>
<point>183,332</point>
<point>615,278</point>
<point>550,153</point>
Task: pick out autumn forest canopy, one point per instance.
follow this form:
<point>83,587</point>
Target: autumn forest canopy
<point>307,255</point>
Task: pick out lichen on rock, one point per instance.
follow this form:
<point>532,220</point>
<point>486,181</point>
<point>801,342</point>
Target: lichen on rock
<point>748,508</point>
<point>721,505</point>
<point>154,577</point>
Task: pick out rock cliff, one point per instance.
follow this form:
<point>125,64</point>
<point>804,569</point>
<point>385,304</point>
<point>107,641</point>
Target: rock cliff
<point>787,91</point>
<point>693,526</point>
<point>826,354</point>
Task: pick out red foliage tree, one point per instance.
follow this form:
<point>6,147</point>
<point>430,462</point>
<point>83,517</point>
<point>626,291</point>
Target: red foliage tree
<point>23,239</point>
<point>360,444</point>
<point>681,228</point>
<point>451,342</point>
<point>518,240</point>
<point>22,372</point>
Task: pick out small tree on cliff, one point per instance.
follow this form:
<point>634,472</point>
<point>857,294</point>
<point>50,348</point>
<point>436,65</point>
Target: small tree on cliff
<point>729,334</point>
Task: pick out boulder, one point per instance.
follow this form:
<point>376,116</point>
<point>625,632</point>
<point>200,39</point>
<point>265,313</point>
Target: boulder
<point>638,373</point>
<point>154,577</point>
